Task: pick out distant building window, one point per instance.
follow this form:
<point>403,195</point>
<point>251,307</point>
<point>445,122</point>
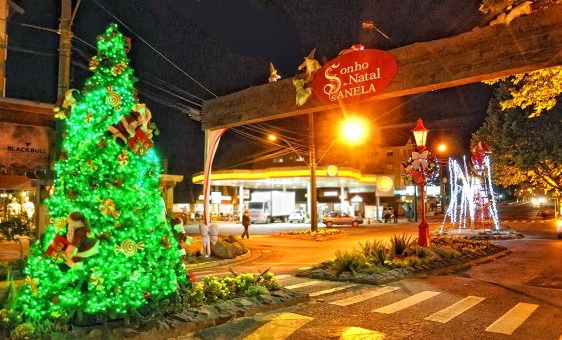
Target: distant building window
<point>389,153</point>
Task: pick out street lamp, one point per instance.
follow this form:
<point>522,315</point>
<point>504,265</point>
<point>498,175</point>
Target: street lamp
<point>421,167</point>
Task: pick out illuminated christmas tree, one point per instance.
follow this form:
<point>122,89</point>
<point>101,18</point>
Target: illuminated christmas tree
<point>108,249</point>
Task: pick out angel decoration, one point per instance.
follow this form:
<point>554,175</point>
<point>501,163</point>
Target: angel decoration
<point>302,81</point>
<point>273,76</point>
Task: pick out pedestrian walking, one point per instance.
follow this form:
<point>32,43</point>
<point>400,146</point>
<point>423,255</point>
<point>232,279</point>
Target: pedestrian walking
<point>246,223</point>
<point>407,210</point>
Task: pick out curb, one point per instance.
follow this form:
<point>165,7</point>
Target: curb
<point>242,258</point>
<point>195,319</point>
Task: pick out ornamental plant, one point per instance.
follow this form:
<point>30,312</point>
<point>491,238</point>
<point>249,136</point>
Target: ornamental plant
<point>107,189</point>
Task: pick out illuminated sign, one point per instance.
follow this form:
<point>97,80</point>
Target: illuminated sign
<point>354,76</point>
<point>332,170</point>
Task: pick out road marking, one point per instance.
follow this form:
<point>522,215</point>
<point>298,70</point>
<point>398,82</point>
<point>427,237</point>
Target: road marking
<point>447,314</point>
<point>407,302</point>
<point>362,297</point>
<point>203,272</point>
<point>280,327</point>
<point>358,333</point>
<point>509,322</point>
<point>282,276</point>
<point>300,285</point>
<point>331,290</point>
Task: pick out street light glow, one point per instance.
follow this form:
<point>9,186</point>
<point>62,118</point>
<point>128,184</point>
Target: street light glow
<point>442,148</point>
<point>354,130</point>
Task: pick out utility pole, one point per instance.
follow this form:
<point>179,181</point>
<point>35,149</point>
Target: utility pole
<point>313,193</point>
<point>65,45</point>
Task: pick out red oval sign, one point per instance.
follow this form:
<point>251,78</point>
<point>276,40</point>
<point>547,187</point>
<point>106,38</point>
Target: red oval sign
<point>354,76</point>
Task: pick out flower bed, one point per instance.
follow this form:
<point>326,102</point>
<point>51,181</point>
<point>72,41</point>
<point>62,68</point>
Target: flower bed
<point>377,261</point>
<point>319,235</point>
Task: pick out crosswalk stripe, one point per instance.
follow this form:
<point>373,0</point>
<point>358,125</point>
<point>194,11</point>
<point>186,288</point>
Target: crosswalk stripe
<point>362,297</point>
<point>331,290</point>
<point>407,302</point>
<point>509,322</point>
<point>300,285</point>
<point>280,327</point>
<point>282,276</point>
<point>358,333</point>
<point>447,314</point>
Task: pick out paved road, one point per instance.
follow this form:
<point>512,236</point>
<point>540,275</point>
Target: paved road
<point>514,297</point>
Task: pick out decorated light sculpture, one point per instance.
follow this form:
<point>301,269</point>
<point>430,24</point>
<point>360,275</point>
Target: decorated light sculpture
<point>421,168</point>
<point>474,198</point>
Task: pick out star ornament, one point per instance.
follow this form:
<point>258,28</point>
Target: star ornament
<point>419,160</point>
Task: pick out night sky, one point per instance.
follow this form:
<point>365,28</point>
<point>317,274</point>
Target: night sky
<point>219,47</point>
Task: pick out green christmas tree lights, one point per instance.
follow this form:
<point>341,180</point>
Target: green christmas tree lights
<point>107,190</point>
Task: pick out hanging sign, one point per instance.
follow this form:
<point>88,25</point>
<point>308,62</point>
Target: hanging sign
<point>24,148</point>
<point>354,76</point>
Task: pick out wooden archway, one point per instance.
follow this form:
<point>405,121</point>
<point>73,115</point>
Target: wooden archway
<point>527,44</point>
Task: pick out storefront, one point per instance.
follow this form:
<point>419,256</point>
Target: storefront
<point>27,135</point>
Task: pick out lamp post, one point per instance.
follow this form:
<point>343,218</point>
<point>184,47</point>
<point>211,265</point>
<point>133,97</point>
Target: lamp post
<point>418,169</point>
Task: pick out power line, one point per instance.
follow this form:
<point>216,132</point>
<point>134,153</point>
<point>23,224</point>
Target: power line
<point>154,49</point>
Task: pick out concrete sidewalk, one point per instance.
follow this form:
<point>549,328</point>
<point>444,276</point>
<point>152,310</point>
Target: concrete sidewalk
<point>14,250</point>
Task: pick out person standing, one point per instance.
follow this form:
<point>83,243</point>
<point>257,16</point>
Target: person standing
<point>246,223</point>
<point>407,210</point>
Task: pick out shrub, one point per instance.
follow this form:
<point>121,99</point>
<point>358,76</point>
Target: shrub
<point>256,290</point>
<point>23,331</point>
<point>230,290</point>
<point>9,319</point>
<point>350,261</point>
<point>269,281</point>
<point>400,243</point>
<point>214,288</point>
<point>197,295</point>
<point>372,269</point>
<point>445,252</point>
<point>376,252</point>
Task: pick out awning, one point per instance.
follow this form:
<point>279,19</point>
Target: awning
<point>14,182</point>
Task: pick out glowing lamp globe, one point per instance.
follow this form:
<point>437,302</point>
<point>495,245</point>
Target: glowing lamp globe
<point>420,134</point>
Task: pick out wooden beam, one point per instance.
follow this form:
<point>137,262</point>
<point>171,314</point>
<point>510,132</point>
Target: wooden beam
<point>529,43</point>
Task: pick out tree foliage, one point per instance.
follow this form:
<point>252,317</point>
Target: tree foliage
<point>538,89</point>
<point>524,151</point>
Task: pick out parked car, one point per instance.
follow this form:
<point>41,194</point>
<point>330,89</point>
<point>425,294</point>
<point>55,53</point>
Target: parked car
<point>341,218</point>
<point>547,210</point>
<point>297,216</point>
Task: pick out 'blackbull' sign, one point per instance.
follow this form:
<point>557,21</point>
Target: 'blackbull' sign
<point>354,76</point>
<point>24,148</point>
